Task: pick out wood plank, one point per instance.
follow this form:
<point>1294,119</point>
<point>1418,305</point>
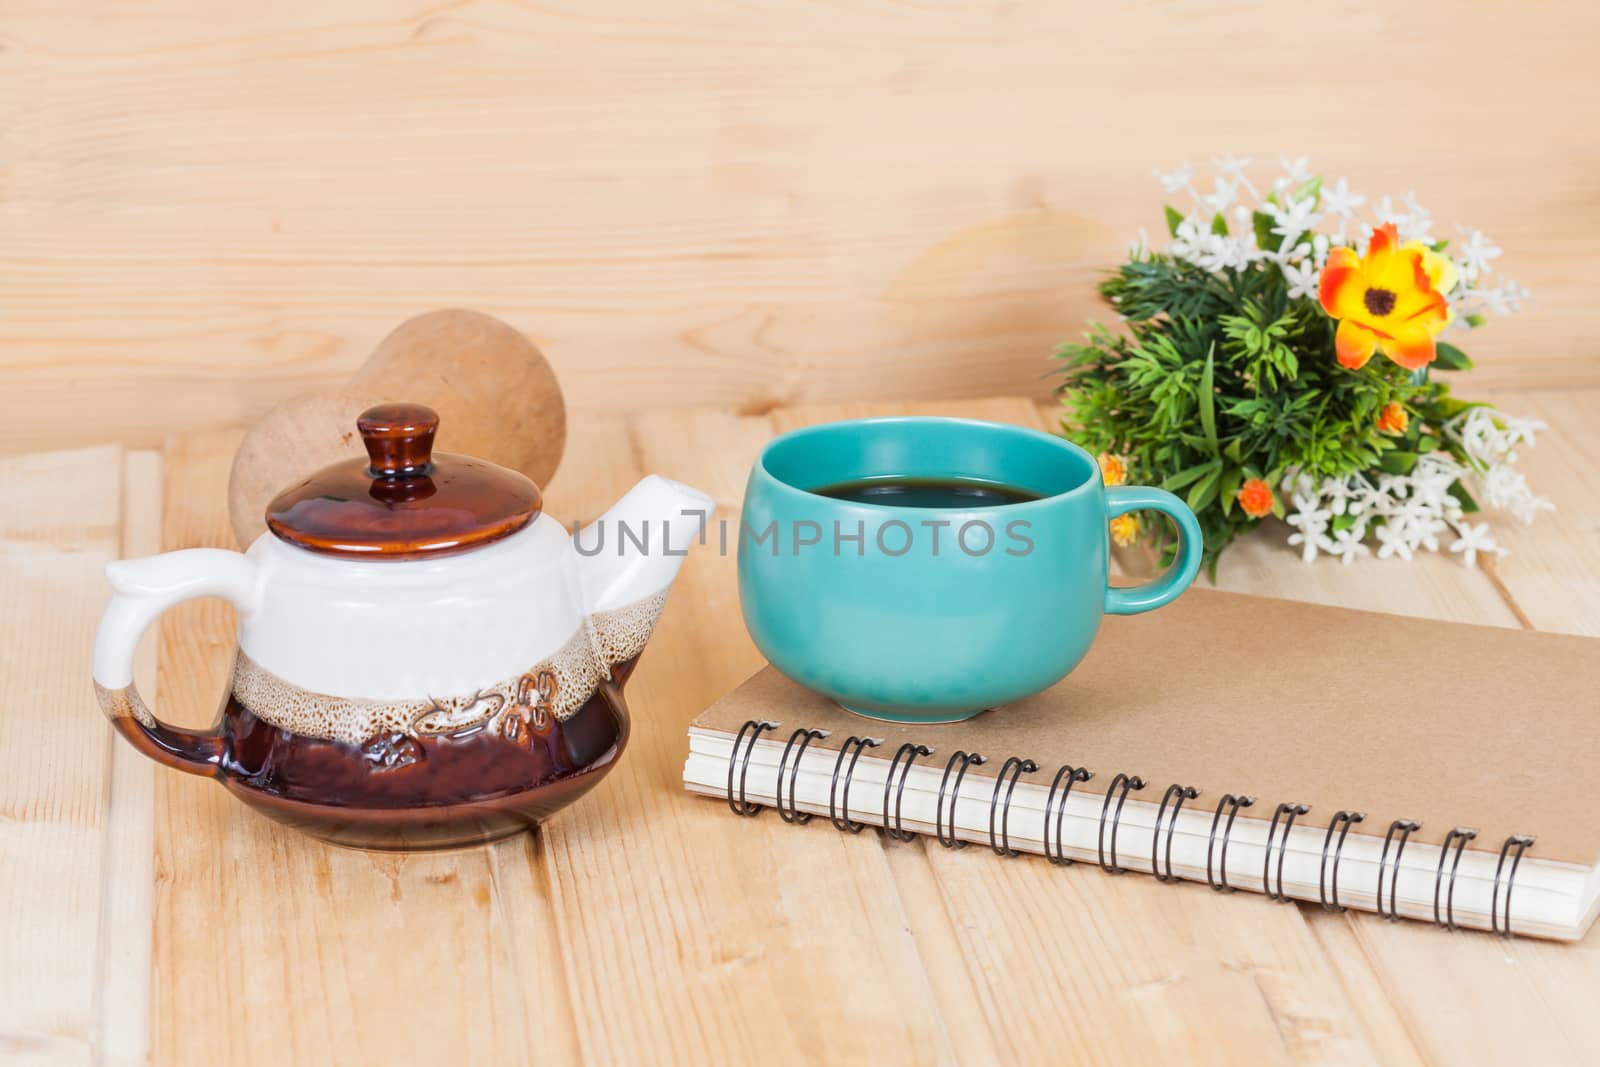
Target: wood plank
<point>127,899</point>
<point>728,940</point>
<point>948,956</point>
<point>1553,571</point>
<point>60,525</point>
<point>733,205</point>
<point>304,948</point>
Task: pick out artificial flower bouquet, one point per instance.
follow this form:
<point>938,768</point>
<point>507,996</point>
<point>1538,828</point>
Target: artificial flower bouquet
<point>1279,358</point>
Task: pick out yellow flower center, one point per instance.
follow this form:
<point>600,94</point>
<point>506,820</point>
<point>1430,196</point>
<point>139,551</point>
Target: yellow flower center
<point>1379,301</point>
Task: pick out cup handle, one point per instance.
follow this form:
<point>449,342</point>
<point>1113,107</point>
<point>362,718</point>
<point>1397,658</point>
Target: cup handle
<point>1131,600</point>
<point>141,590</point>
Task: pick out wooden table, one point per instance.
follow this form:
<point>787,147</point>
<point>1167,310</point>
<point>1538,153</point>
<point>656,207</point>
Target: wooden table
<point>148,915</point>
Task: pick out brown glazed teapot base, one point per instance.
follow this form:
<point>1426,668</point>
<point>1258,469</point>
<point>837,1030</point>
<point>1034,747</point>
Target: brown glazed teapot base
<point>410,792</point>
<point>423,829</point>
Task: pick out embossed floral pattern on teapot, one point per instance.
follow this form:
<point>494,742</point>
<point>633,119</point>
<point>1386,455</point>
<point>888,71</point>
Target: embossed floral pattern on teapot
<point>425,659</point>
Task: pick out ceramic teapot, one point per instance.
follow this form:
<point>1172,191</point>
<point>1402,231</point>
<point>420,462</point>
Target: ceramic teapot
<point>425,659</point>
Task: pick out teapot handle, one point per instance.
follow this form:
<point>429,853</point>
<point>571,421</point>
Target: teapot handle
<point>141,590</point>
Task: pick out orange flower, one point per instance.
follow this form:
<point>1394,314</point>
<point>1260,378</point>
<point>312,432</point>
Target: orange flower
<point>1255,496</point>
<point>1125,529</point>
<point>1390,300</point>
<point>1113,468</point>
<point>1393,418</point>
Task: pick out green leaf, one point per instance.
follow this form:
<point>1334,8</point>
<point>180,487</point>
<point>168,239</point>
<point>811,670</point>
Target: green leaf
<point>1449,357</point>
<point>1173,219</point>
<point>1449,407</point>
<point>1204,492</point>
<point>1311,189</point>
<point>1183,478</point>
<point>1229,488</point>
<point>1261,222</point>
<point>1232,478</point>
<point>1232,451</point>
<point>1427,444</point>
<point>1459,491</point>
<point>1343,522</point>
<point>1219,225</point>
<point>1398,462</point>
<point>1474,321</point>
<point>1277,505</point>
<point>1419,376</point>
<point>1208,414</point>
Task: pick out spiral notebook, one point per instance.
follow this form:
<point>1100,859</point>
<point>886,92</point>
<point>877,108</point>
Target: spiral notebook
<point>1420,770</point>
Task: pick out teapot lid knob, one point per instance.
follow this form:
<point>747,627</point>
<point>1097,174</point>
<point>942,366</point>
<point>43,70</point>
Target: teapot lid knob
<point>403,501</point>
<point>398,438</point>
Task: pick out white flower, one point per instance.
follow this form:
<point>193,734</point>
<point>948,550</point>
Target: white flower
<point>1339,200</point>
<point>1311,522</point>
<point>1292,219</point>
<point>1414,207</point>
<point>1393,486</point>
<point>1527,507</point>
<point>1296,172</point>
<point>1506,299</point>
<point>1475,538</point>
<point>1287,253</point>
<point>1502,484</point>
<point>1506,488</point>
<point>1302,279</point>
<point>1336,493</point>
<point>1222,197</point>
<point>1394,540</point>
<point>1426,532</point>
<point>1179,179</point>
<point>1233,166</point>
<point>1347,546</point>
<point>1364,496</point>
<point>1139,247</point>
<point>1521,430</point>
<point>1475,253</point>
<point>1310,544</point>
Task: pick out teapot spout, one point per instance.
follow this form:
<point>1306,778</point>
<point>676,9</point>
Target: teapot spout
<point>628,558</point>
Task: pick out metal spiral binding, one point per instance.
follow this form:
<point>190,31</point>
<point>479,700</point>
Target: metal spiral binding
<point>1500,922</point>
<point>1016,767</point>
<point>1070,775</point>
<point>1406,827</point>
<point>792,813</point>
<point>1182,792</point>
<point>739,805</point>
<point>1127,783</point>
<point>1341,822</point>
<point>909,752</point>
<point>1293,811</point>
<point>860,744</point>
<point>1233,804</point>
<point>966,759</point>
<point>1459,838</point>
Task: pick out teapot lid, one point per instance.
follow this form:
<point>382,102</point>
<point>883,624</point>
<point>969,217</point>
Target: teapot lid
<point>404,501</point>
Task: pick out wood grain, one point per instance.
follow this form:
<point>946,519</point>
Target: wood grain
<point>212,208</point>
<point>60,524</point>
<point>647,925</point>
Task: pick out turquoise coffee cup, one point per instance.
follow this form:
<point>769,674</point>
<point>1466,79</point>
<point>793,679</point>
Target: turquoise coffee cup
<point>918,614</point>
